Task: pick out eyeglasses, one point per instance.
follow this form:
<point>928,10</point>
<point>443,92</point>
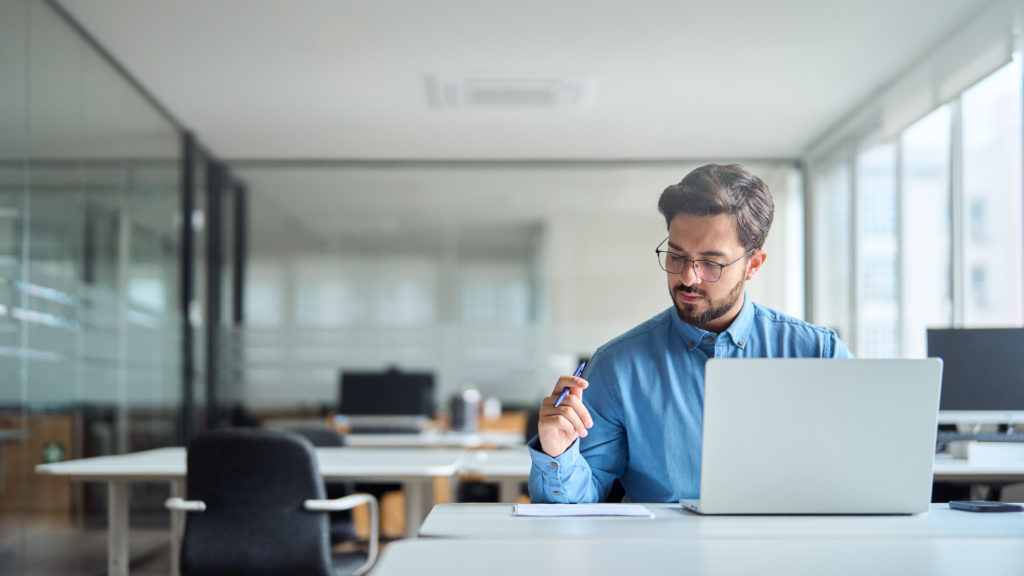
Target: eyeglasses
<point>706,270</point>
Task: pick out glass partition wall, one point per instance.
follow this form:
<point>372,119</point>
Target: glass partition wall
<point>93,278</point>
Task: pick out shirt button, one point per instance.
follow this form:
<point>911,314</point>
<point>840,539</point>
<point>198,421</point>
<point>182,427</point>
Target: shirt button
<point>556,492</point>
<point>741,342</point>
<point>692,344</point>
<point>554,464</point>
<point>710,340</point>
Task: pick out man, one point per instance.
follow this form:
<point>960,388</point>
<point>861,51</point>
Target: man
<point>636,413</point>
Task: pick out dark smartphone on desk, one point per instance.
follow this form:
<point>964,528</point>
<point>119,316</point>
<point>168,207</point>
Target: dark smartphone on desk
<point>984,506</point>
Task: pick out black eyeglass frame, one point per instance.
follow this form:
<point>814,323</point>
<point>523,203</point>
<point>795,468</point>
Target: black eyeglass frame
<point>713,265</point>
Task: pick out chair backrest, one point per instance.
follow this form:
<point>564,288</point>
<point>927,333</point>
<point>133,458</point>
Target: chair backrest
<point>342,527</point>
<point>532,423</point>
<point>321,436</point>
<point>254,482</point>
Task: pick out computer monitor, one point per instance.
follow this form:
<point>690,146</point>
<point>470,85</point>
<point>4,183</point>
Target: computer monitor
<point>391,393</point>
<point>982,376</point>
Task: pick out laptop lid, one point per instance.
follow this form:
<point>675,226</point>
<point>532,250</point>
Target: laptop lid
<point>819,436</point>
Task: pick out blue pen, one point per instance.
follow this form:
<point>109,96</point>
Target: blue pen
<point>565,391</point>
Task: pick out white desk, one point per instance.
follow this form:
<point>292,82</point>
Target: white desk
<point>512,466</point>
<point>509,468</point>
<point>415,469</point>
<point>952,470</point>
<point>766,556</point>
<point>671,521</point>
<point>437,439</point>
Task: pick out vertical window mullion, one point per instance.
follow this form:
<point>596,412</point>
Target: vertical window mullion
<point>900,253</point>
<point>956,215</point>
<point>854,278</point>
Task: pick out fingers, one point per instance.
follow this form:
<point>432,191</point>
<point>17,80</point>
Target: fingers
<point>567,422</point>
<point>570,416</point>
<point>576,385</point>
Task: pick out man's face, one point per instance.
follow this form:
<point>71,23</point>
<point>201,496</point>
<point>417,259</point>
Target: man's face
<point>711,306</point>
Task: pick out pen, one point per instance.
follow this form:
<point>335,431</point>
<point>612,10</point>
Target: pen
<point>565,390</point>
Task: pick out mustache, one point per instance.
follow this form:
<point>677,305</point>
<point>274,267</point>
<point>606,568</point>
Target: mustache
<point>689,290</point>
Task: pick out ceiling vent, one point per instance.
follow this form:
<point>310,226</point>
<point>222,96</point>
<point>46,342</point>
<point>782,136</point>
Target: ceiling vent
<point>507,92</point>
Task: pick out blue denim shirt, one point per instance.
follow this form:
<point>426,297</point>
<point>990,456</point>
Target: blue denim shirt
<point>646,397</point>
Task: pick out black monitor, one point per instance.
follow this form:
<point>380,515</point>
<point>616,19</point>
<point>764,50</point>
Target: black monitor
<point>391,393</point>
<point>982,374</point>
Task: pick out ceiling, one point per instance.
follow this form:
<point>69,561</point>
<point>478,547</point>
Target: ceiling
<point>330,80</point>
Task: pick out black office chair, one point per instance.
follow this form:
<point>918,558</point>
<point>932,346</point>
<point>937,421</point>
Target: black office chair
<point>341,525</point>
<point>532,423</point>
<point>256,507</point>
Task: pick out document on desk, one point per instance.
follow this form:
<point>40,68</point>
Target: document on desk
<point>553,510</point>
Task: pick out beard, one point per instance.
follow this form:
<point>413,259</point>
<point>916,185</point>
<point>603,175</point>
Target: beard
<point>715,309</point>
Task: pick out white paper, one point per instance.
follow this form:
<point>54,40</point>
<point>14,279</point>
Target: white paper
<point>581,510</point>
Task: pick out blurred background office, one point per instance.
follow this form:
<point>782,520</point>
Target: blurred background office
<point>208,210</point>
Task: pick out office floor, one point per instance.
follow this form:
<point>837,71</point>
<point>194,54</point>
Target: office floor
<point>44,547</point>
<point>48,549</point>
<point>52,550</point>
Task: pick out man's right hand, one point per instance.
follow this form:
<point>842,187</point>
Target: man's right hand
<point>559,427</point>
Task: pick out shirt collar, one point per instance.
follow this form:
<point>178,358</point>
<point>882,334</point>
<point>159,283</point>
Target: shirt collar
<point>738,331</point>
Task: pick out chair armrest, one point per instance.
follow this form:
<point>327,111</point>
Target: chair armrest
<point>347,503</point>
<point>338,504</point>
<point>185,505</point>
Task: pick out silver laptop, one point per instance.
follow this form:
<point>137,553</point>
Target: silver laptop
<point>818,436</point>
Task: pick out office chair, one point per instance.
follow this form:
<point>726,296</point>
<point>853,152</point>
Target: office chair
<point>257,507</point>
<point>532,424</point>
<point>342,527</point>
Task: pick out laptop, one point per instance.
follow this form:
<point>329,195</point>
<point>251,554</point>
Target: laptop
<point>818,436</point>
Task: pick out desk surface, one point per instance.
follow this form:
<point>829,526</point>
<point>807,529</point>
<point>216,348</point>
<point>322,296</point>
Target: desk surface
<point>169,463</point>
<point>334,463</point>
<point>948,468</point>
<point>508,463</point>
<point>717,557</point>
<point>515,463</point>
<point>671,521</point>
<point>434,438</point>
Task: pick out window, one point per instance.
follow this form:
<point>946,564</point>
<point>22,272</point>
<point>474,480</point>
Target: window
<point>877,252</point>
<point>831,249</point>
<point>979,286</point>
<point>937,237</point>
<point>978,224</point>
<point>993,242</point>
<point>926,230</point>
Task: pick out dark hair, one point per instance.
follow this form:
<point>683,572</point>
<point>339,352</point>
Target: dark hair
<point>723,189</point>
